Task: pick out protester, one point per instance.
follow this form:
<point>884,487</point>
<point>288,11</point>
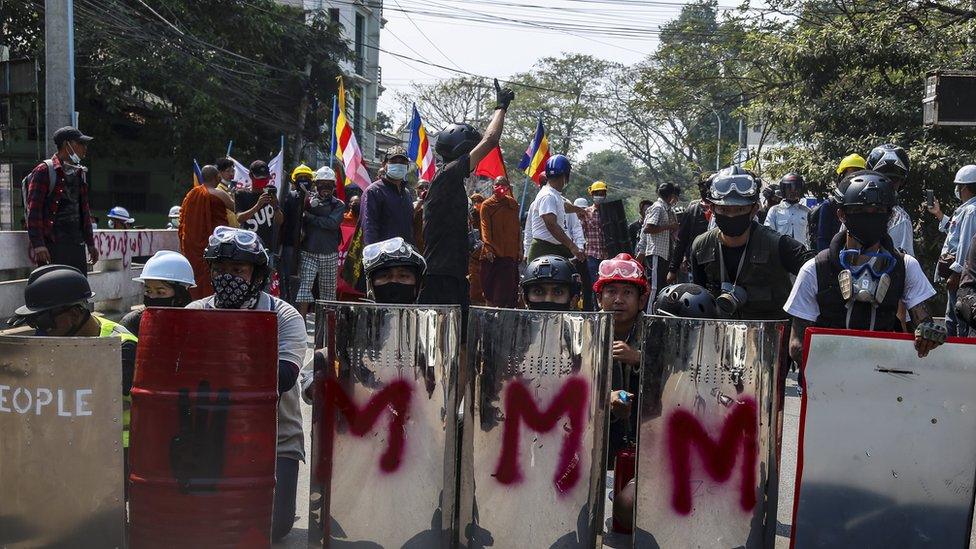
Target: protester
<point>119,218</point>
<point>634,229</point>
<point>966,302</point>
<point>166,279</point>
<point>418,215</point>
<point>387,208</point>
<point>240,269</point>
<point>893,161</point>
<point>790,215</point>
<point>204,209</point>
<point>320,245</point>
<point>623,290</point>
<point>501,251</point>
<point>693,223</point>
<point>393,270</point>
<point>828,224</point>
<point>174,218</point>
<point>225,167</point>
<point>589,217</point>
<point>745,265</point>
<point>292,214</point>
<point>547,215</point>
<point>476,296</point>
<point>56,301</point>
<point>59,225</point>
<point>772,196</point>
<point>960,228</point>
<point>660,226</point>
<point>446,206</point>
<point>257,208</point>
<point>860,280</point>
<point>551,283</point>
<point>352,210</point>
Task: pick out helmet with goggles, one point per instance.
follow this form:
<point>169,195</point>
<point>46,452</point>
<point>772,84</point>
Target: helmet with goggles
<point>393,252</point>
<point>622,268</point>
<point>734,186</point>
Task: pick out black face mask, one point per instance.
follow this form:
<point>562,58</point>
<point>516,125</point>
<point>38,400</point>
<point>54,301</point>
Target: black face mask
<point>159,301</point>
<point>395,292</point>
<point>867,228</point>
<point>733,225</point>
<point>546,306</point>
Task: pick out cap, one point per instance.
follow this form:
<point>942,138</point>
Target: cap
<point>394,152</point>
<point>69,133</point>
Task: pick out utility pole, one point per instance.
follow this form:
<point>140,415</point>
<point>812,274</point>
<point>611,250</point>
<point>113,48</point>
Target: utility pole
<point>59,67</point>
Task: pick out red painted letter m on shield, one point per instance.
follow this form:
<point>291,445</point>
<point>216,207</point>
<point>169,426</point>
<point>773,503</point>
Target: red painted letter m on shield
<point>394,399</point>
<point>718,458</point>
<point>520,406</point>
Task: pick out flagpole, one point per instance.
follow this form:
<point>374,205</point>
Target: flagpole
<point>229,145</point>
<point>332,141</point>
<point>525,190</point>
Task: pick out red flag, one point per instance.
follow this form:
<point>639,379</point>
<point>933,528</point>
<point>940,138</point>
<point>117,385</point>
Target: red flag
<point>492,165</point>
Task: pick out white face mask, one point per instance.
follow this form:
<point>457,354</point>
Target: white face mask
<point>72,155</point>
<point>599,199</point>
<point>958,192</point>
<point>396,172</point>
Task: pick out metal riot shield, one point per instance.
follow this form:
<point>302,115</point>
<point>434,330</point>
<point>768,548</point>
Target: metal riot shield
<point>384,426</point>
<point>202,451</point>
<point>887,449</point>
<point>613,219</point>
<point>61,475</point>
<point>707,442</point>
<point>535,428</point>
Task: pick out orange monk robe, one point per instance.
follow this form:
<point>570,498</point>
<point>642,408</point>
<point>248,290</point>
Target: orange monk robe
<point>200,213</point>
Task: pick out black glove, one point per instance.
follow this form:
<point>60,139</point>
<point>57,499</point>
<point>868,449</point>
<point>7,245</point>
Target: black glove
<point>931,331</point>
<point>503,96</point>
<point>196,453</point>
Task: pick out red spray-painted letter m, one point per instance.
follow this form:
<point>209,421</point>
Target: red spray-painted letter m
<point>395,397</point>
<point>520,406</point>
<point>719,458</point>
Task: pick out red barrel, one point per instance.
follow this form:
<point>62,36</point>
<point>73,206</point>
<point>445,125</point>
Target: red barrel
<point>204,429</point>
<point>623,472</point>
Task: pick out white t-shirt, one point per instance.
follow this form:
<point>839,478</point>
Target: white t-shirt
<point>292,342</point>
<point>802,302</point>
<point>548,201</point>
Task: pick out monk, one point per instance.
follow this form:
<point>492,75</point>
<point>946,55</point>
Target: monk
<point>204,208</point>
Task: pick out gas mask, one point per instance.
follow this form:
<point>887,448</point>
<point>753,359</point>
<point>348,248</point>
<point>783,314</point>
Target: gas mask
<point>730,300</point>
<point>868,282</point>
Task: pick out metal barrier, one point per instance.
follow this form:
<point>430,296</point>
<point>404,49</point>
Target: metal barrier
<point>111,279</point>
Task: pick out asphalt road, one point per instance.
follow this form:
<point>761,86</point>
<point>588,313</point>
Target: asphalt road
<point>297,538</point>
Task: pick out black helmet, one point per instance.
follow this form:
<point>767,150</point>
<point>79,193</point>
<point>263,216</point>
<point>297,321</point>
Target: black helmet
<point>456,140</point>
<point>665,190</point>
<point>734,186</point>
<point>551,269</point>
<point>685,300</point>
<point>393,252</point>
<point>889,159</point>
<point>792,181</point>
<point>232,244</point>
<point>866,188</point>
<point>54,286</point>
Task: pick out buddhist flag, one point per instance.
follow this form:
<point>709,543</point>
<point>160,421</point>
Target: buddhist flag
<point>536,155</point>
<point>197,174</point>
<point>347,148</point>
<point>419,150</point>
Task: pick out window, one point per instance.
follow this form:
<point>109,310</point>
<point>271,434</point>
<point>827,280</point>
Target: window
<point>129,190</point>
<point>334,15</point>
<point>360,43</point>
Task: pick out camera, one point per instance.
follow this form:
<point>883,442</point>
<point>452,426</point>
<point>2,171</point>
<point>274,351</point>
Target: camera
<point>730,299</point>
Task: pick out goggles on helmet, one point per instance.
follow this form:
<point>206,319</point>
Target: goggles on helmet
<point>246,240</point>
<point>883,262</point>
<point>743,185</point>
<point>394,248</point>
<point>620,268</point>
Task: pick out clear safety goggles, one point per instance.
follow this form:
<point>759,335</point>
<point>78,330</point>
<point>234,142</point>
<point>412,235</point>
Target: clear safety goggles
<point>743,185</point>
<point>394,248</point>
<point>620,268</point>
<point>245,240</point>
<point>883,262</point>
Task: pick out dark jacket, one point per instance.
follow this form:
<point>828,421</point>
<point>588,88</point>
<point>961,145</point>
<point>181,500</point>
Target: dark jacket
<point>42,205</point>
<point>692,224</point>
<point>966,295</point>
<point>321,225</point>
<point>386,212</point>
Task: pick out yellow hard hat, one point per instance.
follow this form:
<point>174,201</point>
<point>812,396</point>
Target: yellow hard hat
<point>598,186</point>
<point>302,169</point>
<point>851,161</point>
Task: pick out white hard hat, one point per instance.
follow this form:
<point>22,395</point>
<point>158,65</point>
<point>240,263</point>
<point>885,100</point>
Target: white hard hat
<point>324,173</point>
<point>174,211</point>
<point>169,266</point>
<point>581,203</point>
<point>966,175</point>
<point>121,214</point>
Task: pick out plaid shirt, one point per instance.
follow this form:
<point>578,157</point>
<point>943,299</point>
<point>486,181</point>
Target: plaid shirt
<point>42,205</point>
<point>592,233</point>
<point>659,214</point>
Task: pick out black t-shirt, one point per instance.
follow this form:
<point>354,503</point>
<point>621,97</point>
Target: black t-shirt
<point>446,221</point>
<point>291,209</point>
<point>67,219</point>
<point>262,222</point>
<point>792,255</point>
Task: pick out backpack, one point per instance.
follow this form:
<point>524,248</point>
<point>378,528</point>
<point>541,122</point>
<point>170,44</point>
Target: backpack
<point>52,176</point>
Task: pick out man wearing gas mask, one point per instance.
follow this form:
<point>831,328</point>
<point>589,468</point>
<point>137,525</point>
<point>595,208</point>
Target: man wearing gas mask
<point>858,282</point>
<point>59,224</point>
<point>745,265</point>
